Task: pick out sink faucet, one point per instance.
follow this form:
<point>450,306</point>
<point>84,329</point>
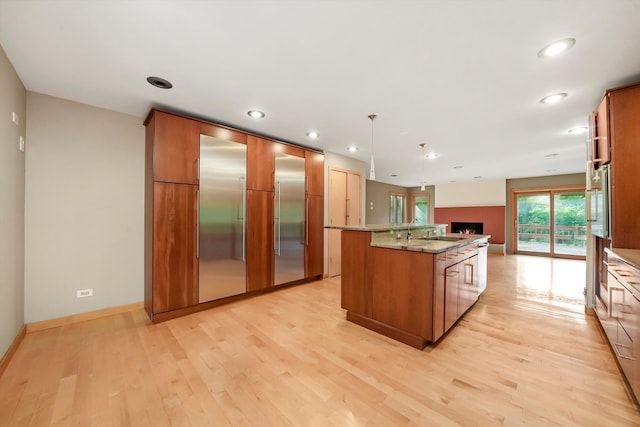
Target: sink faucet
<point>409,229</point>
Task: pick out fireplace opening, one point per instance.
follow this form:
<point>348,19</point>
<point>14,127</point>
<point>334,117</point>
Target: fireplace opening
<point>467,227</point>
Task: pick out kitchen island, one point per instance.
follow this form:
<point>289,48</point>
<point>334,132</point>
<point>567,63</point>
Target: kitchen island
<point>410,283</point>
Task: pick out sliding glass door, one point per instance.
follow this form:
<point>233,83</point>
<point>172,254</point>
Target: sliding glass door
<point>551,223</point>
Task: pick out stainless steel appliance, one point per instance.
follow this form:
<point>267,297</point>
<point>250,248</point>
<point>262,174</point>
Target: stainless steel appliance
<point>599,204</point>
<point>222,213</point>
<point>289,224</point>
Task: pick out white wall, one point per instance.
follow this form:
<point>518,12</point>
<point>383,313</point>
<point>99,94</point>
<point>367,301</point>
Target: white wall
<point>475,193</point>
<point>13,97</point>
<point>84,208</point>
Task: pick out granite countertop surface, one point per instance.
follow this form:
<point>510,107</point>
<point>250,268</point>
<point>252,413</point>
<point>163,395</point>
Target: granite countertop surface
<point>383,227</point>
<point>631,256</point>
<point>431,245</point>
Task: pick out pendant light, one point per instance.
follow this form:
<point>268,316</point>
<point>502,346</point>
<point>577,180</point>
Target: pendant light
<point>423,184</point>
<point>372,170</point>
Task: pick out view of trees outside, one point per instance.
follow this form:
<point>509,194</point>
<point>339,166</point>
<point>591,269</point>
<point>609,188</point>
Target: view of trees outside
<point>421,210</point>
<point>569,219</point>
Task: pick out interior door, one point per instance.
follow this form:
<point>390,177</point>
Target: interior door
<point>344,209</point>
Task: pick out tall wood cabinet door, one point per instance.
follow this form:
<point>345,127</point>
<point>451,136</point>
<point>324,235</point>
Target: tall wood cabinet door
<point>625,173</point>
<point>176,148</point>
<point>314,236</point>
<point>260,254</point>
<point>440,261</point>
<point>315,173</point>
<point>175,263</point>
<point>260,163</point>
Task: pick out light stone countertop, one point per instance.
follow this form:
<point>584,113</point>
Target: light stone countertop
<point>631,256</point>
<point>384,227</point>
<point>430,245</point>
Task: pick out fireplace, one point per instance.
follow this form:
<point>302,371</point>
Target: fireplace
<point>467,227</point>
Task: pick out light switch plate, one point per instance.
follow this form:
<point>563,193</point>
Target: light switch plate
<point>15,118</point>
<point>21,143</point>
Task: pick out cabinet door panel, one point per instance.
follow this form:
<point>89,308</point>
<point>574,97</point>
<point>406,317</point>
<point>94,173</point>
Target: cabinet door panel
<point>315,173</point>
<point>452,278</point>
<point>260,256</point>
<point>176,148</point>
<point>439,296</point>
<point>603,147</point>
<point>175,265</point>
<point>314,236</point>
<point>260,163</point>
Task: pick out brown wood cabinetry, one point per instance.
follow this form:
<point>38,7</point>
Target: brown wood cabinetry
<point>175,264</point>
<point>314,236</point>
<point>621,322</point>
<point>171,212</point>
<point>600,148</point>
<point>176,148</point>
<point>315,173</point>
<point>411,296</point>
<point>260,254</point>
<point>260,154</point>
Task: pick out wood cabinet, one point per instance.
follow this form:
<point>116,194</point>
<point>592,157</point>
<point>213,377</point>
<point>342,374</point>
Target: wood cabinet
<point>315,173</point>
<point>172,162</point>
<point>261,157</point>
<point>175,264</point>
<point>624,128</point>
<point>411,296</point>
<point>260,253</point>
<point>621,322</point>
<point>314,236</point>
<point>600,142</point>
<point>176,148</point>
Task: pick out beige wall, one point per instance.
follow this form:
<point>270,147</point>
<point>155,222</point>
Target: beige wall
<point>13,98</point>
<point>84,208</point>
<point>377,201</point>
<point>538,182</point>
<point>474,193</point>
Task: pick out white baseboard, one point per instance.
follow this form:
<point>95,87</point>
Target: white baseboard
<point>498,248</point>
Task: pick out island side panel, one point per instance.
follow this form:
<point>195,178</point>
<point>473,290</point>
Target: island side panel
<point>403,290</point>
<point>356,272</point>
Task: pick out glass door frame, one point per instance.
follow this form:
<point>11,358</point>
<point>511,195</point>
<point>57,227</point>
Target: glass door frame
<point>552,192</point>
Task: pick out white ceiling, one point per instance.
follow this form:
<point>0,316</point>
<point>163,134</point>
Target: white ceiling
<point>461,76</point>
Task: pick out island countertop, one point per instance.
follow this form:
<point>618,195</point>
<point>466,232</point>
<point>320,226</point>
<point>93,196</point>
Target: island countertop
<point>432,244</point>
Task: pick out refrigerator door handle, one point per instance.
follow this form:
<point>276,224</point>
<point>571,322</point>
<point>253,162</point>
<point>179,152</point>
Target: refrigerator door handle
<point>198,224</point>
<point>278,230</point>
<point>306,222</point>
<point>243,208</point>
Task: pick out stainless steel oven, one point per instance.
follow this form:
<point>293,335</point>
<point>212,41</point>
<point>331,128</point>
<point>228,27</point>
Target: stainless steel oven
<point>598,202</point>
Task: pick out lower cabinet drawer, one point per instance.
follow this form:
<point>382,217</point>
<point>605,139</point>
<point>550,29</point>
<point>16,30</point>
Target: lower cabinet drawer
<point>623,347</point>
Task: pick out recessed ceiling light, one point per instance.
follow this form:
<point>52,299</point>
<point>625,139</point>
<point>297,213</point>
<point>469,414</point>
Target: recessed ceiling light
<point>578,130</point>
<point>551,155</point>
<point>477,177</point>
<point>394,175</point>
<point>556,48</point>
<point>352,149</point>
<point>404,133</point>
<point>432,156</point>
<point>255,114</point>
<point>551,99</point>
<point>458,167</point>
<point>452,181</point>
<point>313,135</point>
<point>159,82</point>
<point>551,170</point>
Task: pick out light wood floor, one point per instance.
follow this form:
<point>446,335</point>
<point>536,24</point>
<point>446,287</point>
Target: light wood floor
<point>525,354</point>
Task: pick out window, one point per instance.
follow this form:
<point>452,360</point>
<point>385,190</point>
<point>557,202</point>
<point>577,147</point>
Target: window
<point>396,211</point>
<point>420,209</point>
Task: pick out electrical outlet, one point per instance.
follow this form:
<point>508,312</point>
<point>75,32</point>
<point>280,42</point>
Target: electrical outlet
<point>83,293</point>
<point>21,143</point>
<point>15,118</point>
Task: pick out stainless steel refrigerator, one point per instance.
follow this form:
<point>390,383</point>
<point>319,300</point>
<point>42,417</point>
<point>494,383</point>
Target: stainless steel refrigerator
<point>289,215</point>
<point>221,221</point>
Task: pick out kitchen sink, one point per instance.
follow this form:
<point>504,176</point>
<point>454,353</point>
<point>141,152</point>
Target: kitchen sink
<point>444,238</point>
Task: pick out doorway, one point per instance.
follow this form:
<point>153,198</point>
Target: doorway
<point>550,222</point>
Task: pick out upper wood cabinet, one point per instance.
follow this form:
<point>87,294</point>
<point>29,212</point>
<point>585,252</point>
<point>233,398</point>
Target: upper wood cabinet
<point>176,147</point>
<point>600,148</point>
<point>315,173</point>
<point>261,163</point>
<point>624,128</point>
